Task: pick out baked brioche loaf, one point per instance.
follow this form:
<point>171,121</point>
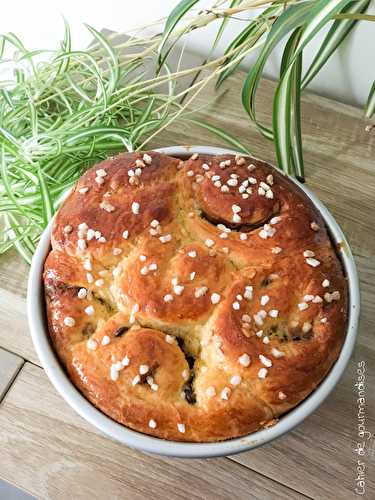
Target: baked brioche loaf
<point>193,300</point>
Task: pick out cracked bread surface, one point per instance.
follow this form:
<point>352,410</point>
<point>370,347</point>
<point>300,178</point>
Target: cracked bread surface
<point>194,300</point>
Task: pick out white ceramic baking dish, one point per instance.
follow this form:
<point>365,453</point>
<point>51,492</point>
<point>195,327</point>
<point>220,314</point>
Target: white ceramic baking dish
<point>55,372</point>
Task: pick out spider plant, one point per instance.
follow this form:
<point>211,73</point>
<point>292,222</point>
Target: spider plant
<point>65,110</point>
<point>298,20</point>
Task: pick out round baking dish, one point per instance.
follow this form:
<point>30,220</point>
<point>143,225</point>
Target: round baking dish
<point>58,377</point>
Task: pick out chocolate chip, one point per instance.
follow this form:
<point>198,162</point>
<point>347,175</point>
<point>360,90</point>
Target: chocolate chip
<point>180,342</point>
<point>190,360</point>
<point>265,282</point>
<point>103,302</point>
<point>121,330</point>
<point>189,394</point>
<point>52,288</point>
<point>88,330</point>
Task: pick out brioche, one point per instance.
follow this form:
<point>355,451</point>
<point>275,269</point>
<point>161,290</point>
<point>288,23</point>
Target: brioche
<point>194,300</point>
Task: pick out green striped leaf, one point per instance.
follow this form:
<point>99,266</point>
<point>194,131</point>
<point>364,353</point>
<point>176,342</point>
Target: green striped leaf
<point>219,34</point>
<point>7,97</point>
<point>2,45</point>
<point>251,34</point>
<point>46,198</point>
<point>357,17</point>
<point>253,31</point>
<point>13,39</point>
<point>293,17</point>
<point>241,148</point>
<point>286,111</point>
<point>114,64</point>
<point>322,12</point>
<point>295,122</point>
<point>223,24</point>
<point>93,70</point>
<point>20,239</point>
<point>142,122</point>
<point>66,46</point>
<point>174,17</point>
<point>291,78</point>
<point>337,33</point>
<point>312,16</point>
<point>370,105</point>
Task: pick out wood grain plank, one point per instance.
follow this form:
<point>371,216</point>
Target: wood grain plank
<point>50,451</point>
<point>319,457</point>
<point>10,364</point>
<point>14,331</point>
<point>13,274</point>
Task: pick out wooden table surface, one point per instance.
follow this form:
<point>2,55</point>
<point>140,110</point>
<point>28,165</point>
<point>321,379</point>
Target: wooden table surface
<point>48,450</point>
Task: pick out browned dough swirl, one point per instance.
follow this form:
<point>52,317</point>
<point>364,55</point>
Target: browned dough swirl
<point>193,300</point>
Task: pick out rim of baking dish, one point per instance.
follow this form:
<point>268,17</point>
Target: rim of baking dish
<point>144,442</point>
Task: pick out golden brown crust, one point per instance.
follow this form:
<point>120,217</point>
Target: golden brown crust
<point>196,300</point>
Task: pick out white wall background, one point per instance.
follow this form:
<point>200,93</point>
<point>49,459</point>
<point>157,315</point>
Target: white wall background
<point>347,76</point>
